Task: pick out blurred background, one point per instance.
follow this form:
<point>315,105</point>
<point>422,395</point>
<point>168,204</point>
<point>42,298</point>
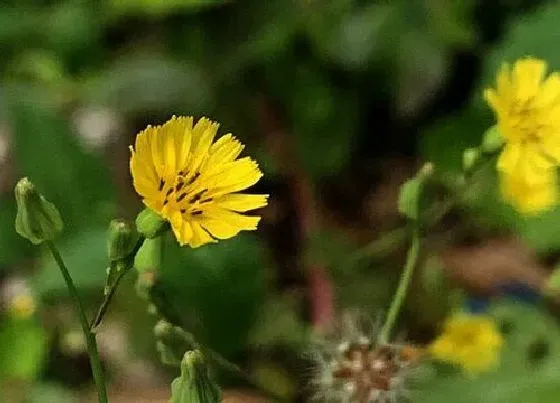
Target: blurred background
<point>340,101</point>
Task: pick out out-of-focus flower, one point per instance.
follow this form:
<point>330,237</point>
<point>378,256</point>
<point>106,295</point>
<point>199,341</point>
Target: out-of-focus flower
<point>193,182</point>
<point>23,306</point>
<point>472,342</point>
<point>353,367</point>
<point>18,298</point>
<point>527,107</point>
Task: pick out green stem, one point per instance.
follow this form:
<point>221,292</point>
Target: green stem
<point>95,362</point>
<point>401,292</point>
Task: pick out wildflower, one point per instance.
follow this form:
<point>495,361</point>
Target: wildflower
<point>355,368</point>
<point>527,107</point>
<point>471,342</point>
<point>193,182</point>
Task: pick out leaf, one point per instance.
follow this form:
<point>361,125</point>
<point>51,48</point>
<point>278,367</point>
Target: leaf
<point>86,259</point>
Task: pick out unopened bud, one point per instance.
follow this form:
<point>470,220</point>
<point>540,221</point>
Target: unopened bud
<point>37,219</point>
<point>470,157</point>
<point>148,257</point>
<point>121,240</point>
<point>149,223</point>
<point>492,141</point>
<point>195,385</point>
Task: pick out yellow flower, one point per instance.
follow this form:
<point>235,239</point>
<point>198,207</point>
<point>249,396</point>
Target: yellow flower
<point>471,342</point>
<point>527,107</point>
<point>194,182</point>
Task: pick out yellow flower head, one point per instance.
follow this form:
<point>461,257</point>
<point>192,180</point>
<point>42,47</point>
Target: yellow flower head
<point>471,342</point>
<point>194,182</point>
<point>527,107</point>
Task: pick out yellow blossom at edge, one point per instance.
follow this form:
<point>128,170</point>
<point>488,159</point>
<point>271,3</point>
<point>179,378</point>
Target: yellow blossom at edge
<point>471,342</point>
<point>527,107</point>
<point>194,182</point>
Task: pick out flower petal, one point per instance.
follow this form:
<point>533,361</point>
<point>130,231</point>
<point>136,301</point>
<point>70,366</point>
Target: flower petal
<point>242,202</point>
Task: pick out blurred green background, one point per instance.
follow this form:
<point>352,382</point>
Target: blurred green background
<point>340,101</point>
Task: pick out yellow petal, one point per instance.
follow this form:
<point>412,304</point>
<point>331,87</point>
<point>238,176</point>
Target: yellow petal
<point>183,141</point>
<point>222,152</point>
<point>203,135</point>
<point>241,221</point>
<point>509,158</point>
<point>234,177</point>
<point>241,202</point>
<point>529,198</point>
<point>199,236</point>
<point>527,76</point>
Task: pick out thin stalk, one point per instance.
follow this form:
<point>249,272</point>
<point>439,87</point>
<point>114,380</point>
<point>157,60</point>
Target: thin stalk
<point>91,342</point>
<point>404,281</point>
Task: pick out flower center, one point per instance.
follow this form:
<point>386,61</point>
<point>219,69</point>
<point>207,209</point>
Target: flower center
<point>183,192</point>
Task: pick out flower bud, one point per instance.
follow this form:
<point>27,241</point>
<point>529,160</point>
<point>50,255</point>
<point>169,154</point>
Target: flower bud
<point>470,157</point>
<point>121,240</point>
<point>149,223</point>
<point>37,219</point>
<point>148,257</point>
<point>195,384</point>
<point>492,141</point>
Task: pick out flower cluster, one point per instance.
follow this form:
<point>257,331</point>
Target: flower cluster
<point>193,182</point>
<point>471,342</point>
<point>527,107</point>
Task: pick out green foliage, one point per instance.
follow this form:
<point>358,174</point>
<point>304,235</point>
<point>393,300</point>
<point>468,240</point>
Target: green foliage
<point>215,290</point>
<point>76,182</point>
<point>86,259</point>
<point>25,348</point>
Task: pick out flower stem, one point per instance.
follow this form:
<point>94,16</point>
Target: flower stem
<point>95,362</point>
<point>402,288</point>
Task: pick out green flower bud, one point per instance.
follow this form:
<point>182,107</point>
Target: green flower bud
<point>492,141</point>
<point>470,157</point>
<point>195,385</point>
<point>148,257</point>
<point>150,224</point>
<point>37,219</point>
<point>121,240</point>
